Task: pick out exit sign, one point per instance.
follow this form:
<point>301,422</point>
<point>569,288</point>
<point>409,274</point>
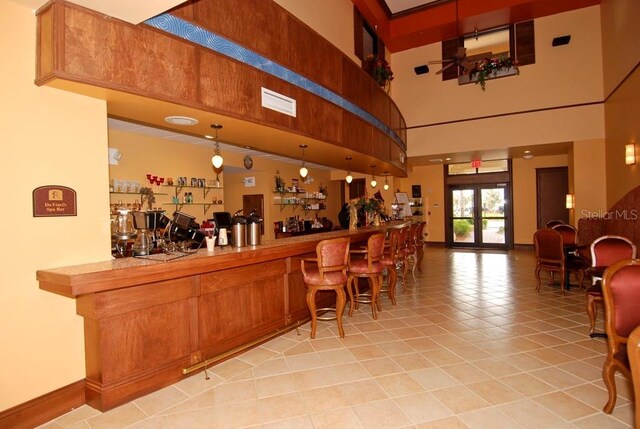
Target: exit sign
<point>476,163</point>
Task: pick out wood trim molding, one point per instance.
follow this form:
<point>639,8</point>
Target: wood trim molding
<point>44,408</point>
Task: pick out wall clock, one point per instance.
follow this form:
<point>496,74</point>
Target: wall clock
<point>248,162</point>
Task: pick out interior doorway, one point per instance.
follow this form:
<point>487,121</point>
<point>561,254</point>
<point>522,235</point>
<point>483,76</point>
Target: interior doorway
<point>552,187</point>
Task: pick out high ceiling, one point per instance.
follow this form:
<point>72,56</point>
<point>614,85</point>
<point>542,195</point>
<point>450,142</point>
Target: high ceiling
<point>406,24</point>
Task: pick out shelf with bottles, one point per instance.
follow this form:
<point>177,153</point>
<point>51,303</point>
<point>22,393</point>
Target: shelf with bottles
<point>205,206</point>
<point>305,200</point>
<point>177,189</point>
<point>416,207</point>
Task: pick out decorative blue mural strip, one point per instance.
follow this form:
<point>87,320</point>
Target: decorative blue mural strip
<point>193,33</point>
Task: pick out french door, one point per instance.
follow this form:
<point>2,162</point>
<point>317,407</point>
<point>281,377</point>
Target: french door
<point>478,216</point>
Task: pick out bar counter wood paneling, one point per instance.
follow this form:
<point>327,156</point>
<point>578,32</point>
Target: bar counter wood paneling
<point>146,321</point>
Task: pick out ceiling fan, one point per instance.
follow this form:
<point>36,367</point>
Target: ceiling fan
<point>459,58</point>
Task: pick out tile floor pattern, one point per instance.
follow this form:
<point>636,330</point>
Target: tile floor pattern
<point>471,344</point>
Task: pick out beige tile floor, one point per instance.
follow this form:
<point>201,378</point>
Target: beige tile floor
<point>470,344</point>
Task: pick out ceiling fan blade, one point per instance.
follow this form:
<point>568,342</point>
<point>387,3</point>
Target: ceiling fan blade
<point>440,61</point>
<point>462,52</point>
<point>445,67</point>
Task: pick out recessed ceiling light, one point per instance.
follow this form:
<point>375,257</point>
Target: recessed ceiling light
<point>207,136</point>
<point>435,160</point>
<point>527,151</point>
<point>527,156</point>
<point>181,120</point>
<point>447,159</point>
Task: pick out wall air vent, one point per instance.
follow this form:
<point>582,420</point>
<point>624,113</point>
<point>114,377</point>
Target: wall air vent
<point>278,102</point>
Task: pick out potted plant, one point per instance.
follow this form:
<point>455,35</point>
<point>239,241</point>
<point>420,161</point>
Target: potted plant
<point>379,69</point>
<point>488,68</point>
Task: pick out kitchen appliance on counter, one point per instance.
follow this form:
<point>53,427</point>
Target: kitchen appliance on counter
<point>146,224</point>
<point>122,232</point>
<point>239,229</point>
<point>223,225</point>
<point>254,224</point>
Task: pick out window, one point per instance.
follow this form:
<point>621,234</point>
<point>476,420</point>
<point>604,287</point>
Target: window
<point>366,40</point>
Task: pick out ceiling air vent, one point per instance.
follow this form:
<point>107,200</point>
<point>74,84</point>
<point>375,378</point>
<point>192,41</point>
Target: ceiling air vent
<point>278,102</point>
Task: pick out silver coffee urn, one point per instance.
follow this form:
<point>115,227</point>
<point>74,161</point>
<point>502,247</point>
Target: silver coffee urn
<point>254,224</point>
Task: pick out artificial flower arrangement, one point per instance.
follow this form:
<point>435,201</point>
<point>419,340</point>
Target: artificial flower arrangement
<point>489,67</point>
<point>379,69</point>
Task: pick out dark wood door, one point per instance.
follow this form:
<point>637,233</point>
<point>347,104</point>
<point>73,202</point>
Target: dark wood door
<point>552,186</point>
<point>254,202</point>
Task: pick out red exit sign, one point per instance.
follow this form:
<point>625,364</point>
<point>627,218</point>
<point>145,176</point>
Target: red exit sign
<point>476,163</point>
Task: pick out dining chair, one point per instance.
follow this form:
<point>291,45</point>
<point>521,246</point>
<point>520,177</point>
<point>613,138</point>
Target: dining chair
<point>368,266</point>
<point>552,223</point>
<point>605,251</point>
<point>420,244</point>
<point>621,292</point>
<point>569,233</point>
<point>327,271</point>
<point>633,353</point>
<point>570,244</point>
<point>550,256</point>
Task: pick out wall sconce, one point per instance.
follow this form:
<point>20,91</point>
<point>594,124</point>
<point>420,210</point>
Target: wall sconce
<point>217,159</point>
<point>630,153</point>
<point>374,182</point>
<point>386,181</point>
<point>349,177</point>
<point>303,170</point>
<point>570,201</point>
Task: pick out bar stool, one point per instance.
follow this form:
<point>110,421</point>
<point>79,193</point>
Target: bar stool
<point>328,273</point>
<point>369,268</point>
<point>389,262</point>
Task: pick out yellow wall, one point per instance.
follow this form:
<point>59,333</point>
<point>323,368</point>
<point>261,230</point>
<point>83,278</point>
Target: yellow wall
<point>431,180</point>
<point>620,35</point>
<point>332,19</point>
<point>50,137</point>
<point>589,178</point>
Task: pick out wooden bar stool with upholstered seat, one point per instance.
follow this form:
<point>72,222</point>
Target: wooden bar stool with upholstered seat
<point>368,267</point>
<point>328,273</point>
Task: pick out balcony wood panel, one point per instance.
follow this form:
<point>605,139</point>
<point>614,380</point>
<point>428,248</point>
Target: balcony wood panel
<point>380,103</point>
<point>356,134</point>
<point>111,51</point>
<point>379,144</point>
<point>314,57</point>
<point>317,117</point>
<point>259,25</point>
<point>230,86</point>
<point>356,85</point>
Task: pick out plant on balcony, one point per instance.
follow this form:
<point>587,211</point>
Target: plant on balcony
<point>488,68</point>
<point>379,69</point>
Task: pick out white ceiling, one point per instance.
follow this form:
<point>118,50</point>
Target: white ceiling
<point>396,6</point>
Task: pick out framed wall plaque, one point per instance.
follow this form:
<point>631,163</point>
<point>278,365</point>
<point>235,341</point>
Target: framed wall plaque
<point>54,200</point>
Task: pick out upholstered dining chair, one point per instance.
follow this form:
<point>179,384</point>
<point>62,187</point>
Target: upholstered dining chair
<point>621,292</point>
<point>633,352</point>
<point>569,233</point>
<point>552,223</point>
<point>328,271</point>
<point>420,244</point>
<point>605,251</point>
<point>550,256</point>
<point>368,266</point>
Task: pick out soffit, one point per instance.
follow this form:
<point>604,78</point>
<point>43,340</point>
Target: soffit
<point>431,21</point>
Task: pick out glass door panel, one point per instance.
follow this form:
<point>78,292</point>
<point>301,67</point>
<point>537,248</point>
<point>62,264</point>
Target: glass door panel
<point>492,217</point>
<point>463,208</point>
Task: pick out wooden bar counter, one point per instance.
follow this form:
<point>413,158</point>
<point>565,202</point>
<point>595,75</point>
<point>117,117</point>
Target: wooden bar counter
<point>149,323</point>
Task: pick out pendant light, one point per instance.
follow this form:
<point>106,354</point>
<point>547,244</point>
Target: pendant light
<point>303,170</point>
<point>349,177</point>
<point>386,181</point>
<point>374,182</point>
<point>217,159</point>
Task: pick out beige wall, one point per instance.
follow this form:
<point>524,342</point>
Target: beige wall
<point>332,19</point>
<point>431,180</point>
<point>588,171</point>
<point>620,36</point>
<point>50,137</point>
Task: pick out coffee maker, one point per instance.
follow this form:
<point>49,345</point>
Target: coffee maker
<point>146,224</point>
<point>122,231</point>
